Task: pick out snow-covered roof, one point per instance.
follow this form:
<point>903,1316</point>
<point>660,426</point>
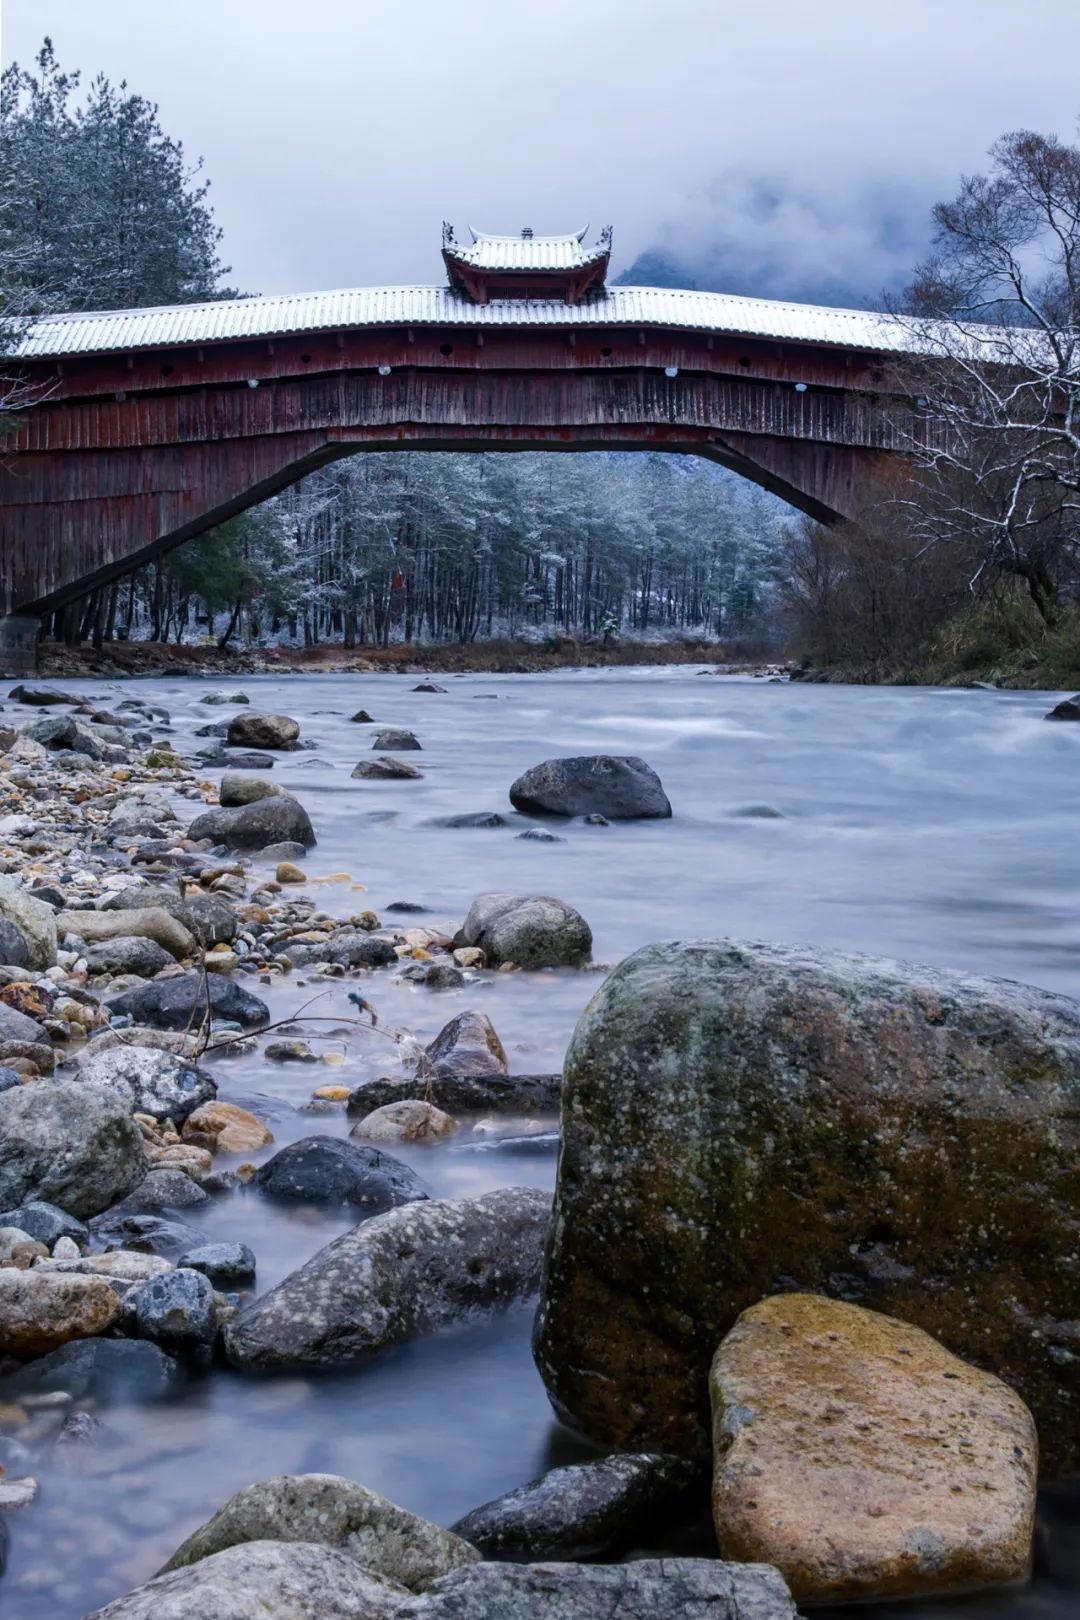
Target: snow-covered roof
<point>110,331</point>
<point>526,252</point>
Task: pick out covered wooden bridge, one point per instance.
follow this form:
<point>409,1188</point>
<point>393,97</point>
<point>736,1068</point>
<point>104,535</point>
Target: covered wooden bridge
<point>152,425</point>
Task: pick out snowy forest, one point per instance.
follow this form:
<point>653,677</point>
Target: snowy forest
<point>99,208</point>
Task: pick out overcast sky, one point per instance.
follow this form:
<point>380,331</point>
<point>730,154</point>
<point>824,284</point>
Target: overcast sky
<point>790,147</point>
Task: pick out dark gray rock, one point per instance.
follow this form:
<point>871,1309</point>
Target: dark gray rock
<point>35,921</point>
<point>253,826</point>
<point>208,917</point>
<point>236,788</point>
<point>128,953</point>
<point>13,950</point>
<point>540,835</point>
<point>586,1509</point>
<point>326,1170</point>
<point>149,1080</point>
<point>226,1264</point>
<point>262,730</point>
<point>267,1580</point>
<point>45,1222</point>
<point>115,1371</point>
<point>237,759</point>
<point>64,733</point>
<point>408,907</point>
<point>167,1236</point>
<point>176,1311</point>
<point>362,718</point>
<point>532,931</point>
<point>385,769</point>
<point>16,1026</point>
<point>903,1136</point>
<point>395,739</point>
<point>287,850</point>
<point>622,788</point>
<point>403,1275</point>
<point>471,818</point>
<point>465,1093</point>
<point>180,1002</point>
<point>429,686</point>
<point>69,1144</point>
<point>360,950</point>
<point>163,1188</point>
<point>434,975</point>
<point>9,1078</point>
<point>1067,709</point>
<point>646,1589</point>
<point>39,696</point>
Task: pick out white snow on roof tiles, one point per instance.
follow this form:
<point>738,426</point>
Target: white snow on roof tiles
<point>525,252</point>
<point>109,331</point>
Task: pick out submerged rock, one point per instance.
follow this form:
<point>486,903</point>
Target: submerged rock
<point>622,788</point>
<point>337,1513</point>
<point>1067,709</point>
<point>149,1080</point>
<point>466,1093</point>
<point>234,1129</point>
<point>532,931</point>
<point>272,819</point>
<point>325,1170</point>
<point>67,1143</point>
<point>101,1370</point>
<point>263,1580</point>
<point>395,740</point>
<point>585,1509</point>
<point>385,769</point>
<point>863,1460</point>
<point>743,1118</point>
<point>403,1275</point>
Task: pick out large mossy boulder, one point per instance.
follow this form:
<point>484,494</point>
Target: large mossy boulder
<point>743,1119</point>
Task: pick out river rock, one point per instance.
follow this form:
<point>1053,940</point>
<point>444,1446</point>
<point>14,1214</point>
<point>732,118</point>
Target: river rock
<point>467,1045</point>
<point>180,1002</point>
<point>67,1143</point>
<point>262,731</point>
<point>263,1580</point>
<point>620,788</point>
<point>429,686</point>
<point>150,1081</point>
<point>362,718</point>
<point>99,1370</point>
<point>146,1232</point>
<point>269,820</point>
<point>228,1265</point>
<point>41,1310</point>
<point>19,1026</point>
<point>863,1459</point>
<point>1067,709</point>
<point>903,1135</point>
<point>326,1170</point>
<point>465,1094</point>
<point>13,949</point>
<point>34,921</point>
<point>530,931</point>
<point>414,1121</point>
<point>144,922</point>
<point>234,1129</point>
<point>128,953</point>
<point>207,917</point>
<point>45,1222</point>
<point>355,950</point>
<point>163,1187</point>
<point>400,1276</point>
<point>644,1589</point>
<point>19,1249</point>
<point>237,759</point>
<point>237,789</point>
<point>385,769</point>
<point>39,696</point>
<point>176,1311</point>
<point>395,740</point>
<point>335,1512</point>
<point>585,1509</point>
<point>63,732</point>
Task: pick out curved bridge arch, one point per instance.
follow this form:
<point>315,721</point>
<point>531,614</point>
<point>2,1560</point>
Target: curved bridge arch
<point>139,445</point>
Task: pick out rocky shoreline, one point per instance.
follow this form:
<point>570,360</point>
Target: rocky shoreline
<point>808,1207</point>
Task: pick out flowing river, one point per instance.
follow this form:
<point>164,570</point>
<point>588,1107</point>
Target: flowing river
<point>930,824</point>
